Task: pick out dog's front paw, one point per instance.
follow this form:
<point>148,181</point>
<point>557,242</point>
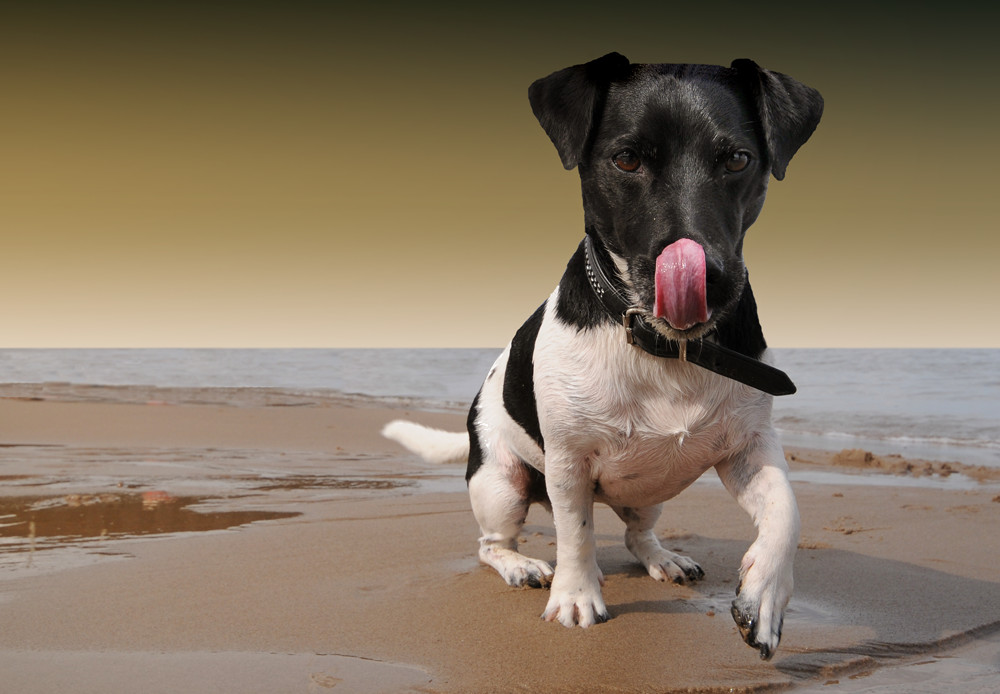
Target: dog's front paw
<point>761,629</point>
<point>759,607</point>
<point>576,600</point>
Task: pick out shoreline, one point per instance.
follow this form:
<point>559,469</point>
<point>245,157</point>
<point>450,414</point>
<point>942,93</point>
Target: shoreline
<point>370,582</point>
<point>886,455</point>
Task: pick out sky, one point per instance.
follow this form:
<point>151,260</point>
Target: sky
<point>324,174</point>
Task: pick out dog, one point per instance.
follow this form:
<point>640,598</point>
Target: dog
<point>647,364</point>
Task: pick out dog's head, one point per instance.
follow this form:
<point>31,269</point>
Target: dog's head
<point>674,162</point>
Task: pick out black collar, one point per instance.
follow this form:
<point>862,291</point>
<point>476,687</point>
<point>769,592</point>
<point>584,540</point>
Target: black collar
<point>706,354</point>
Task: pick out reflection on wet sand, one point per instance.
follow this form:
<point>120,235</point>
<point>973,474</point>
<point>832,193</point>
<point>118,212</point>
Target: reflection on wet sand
<point>56,531</point>
<point>31,523</point>
<point>35,523</point>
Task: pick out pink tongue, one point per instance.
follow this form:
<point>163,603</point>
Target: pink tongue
<point>680,285</point>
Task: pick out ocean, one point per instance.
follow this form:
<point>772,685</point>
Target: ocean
<point>935,404</point>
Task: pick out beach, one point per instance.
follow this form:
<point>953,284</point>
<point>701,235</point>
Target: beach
<point>254,540</point>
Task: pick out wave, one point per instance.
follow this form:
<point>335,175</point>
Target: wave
<point>905,440</point>
<point>241,396</point>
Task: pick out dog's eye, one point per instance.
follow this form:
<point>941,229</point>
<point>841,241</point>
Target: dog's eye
<point>627,160</point>
<point>737,161</point>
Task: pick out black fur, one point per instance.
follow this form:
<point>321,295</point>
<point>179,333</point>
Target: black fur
<point>788,111</point>
<point>740,330</point>
<point>475,447</point>
<point>570,106</point>
<point>577,305</point>
<point>519,379</point>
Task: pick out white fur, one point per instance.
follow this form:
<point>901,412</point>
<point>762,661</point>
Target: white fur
<point>433,445</point>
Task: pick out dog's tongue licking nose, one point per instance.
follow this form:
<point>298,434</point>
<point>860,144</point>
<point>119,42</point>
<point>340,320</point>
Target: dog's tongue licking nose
<point>680,285</point>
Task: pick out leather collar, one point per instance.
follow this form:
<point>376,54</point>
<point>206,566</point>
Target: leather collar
<point>706,354</point>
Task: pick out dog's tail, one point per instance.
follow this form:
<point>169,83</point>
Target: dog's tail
<point>433,445</point>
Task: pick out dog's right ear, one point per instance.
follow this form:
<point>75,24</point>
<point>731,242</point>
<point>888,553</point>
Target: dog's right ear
<point>566,102</point>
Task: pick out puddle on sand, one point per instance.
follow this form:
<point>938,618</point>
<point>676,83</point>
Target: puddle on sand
<point>38,523</point>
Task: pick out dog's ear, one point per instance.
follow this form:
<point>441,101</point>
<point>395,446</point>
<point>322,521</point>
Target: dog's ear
<point>566,102</point>
<point>789,111</point>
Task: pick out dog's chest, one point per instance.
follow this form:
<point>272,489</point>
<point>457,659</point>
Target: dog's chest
<point>640,467</point>
<point>643,428</point>
<point>648,448</point>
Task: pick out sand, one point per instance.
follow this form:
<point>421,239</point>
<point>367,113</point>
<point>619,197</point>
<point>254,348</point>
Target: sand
<point>255,541</point>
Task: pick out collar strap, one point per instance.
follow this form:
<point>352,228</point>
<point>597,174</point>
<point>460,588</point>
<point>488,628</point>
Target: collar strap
<point>708,355</point>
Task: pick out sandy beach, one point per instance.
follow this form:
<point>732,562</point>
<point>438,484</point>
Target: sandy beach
<point>228,540</point>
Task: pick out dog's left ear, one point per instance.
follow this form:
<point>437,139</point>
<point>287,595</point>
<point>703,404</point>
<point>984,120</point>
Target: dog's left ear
<point>567,103</point>
<point>789,111</point>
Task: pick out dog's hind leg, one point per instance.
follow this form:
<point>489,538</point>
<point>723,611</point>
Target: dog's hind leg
<point>759,480</point>
<point>641,541</point>
<point>500,496</point>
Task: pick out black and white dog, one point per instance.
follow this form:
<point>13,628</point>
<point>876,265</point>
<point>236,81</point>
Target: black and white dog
<point>644,367</point>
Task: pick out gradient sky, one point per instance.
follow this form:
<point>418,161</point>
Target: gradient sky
<point>293,174</point>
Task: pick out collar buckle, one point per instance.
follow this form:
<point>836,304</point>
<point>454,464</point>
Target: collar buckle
<point>627,323</point>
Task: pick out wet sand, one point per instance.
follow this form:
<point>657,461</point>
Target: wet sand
<point>257,541</point>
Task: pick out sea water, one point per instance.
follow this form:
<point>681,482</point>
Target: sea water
<point>937,404</point>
